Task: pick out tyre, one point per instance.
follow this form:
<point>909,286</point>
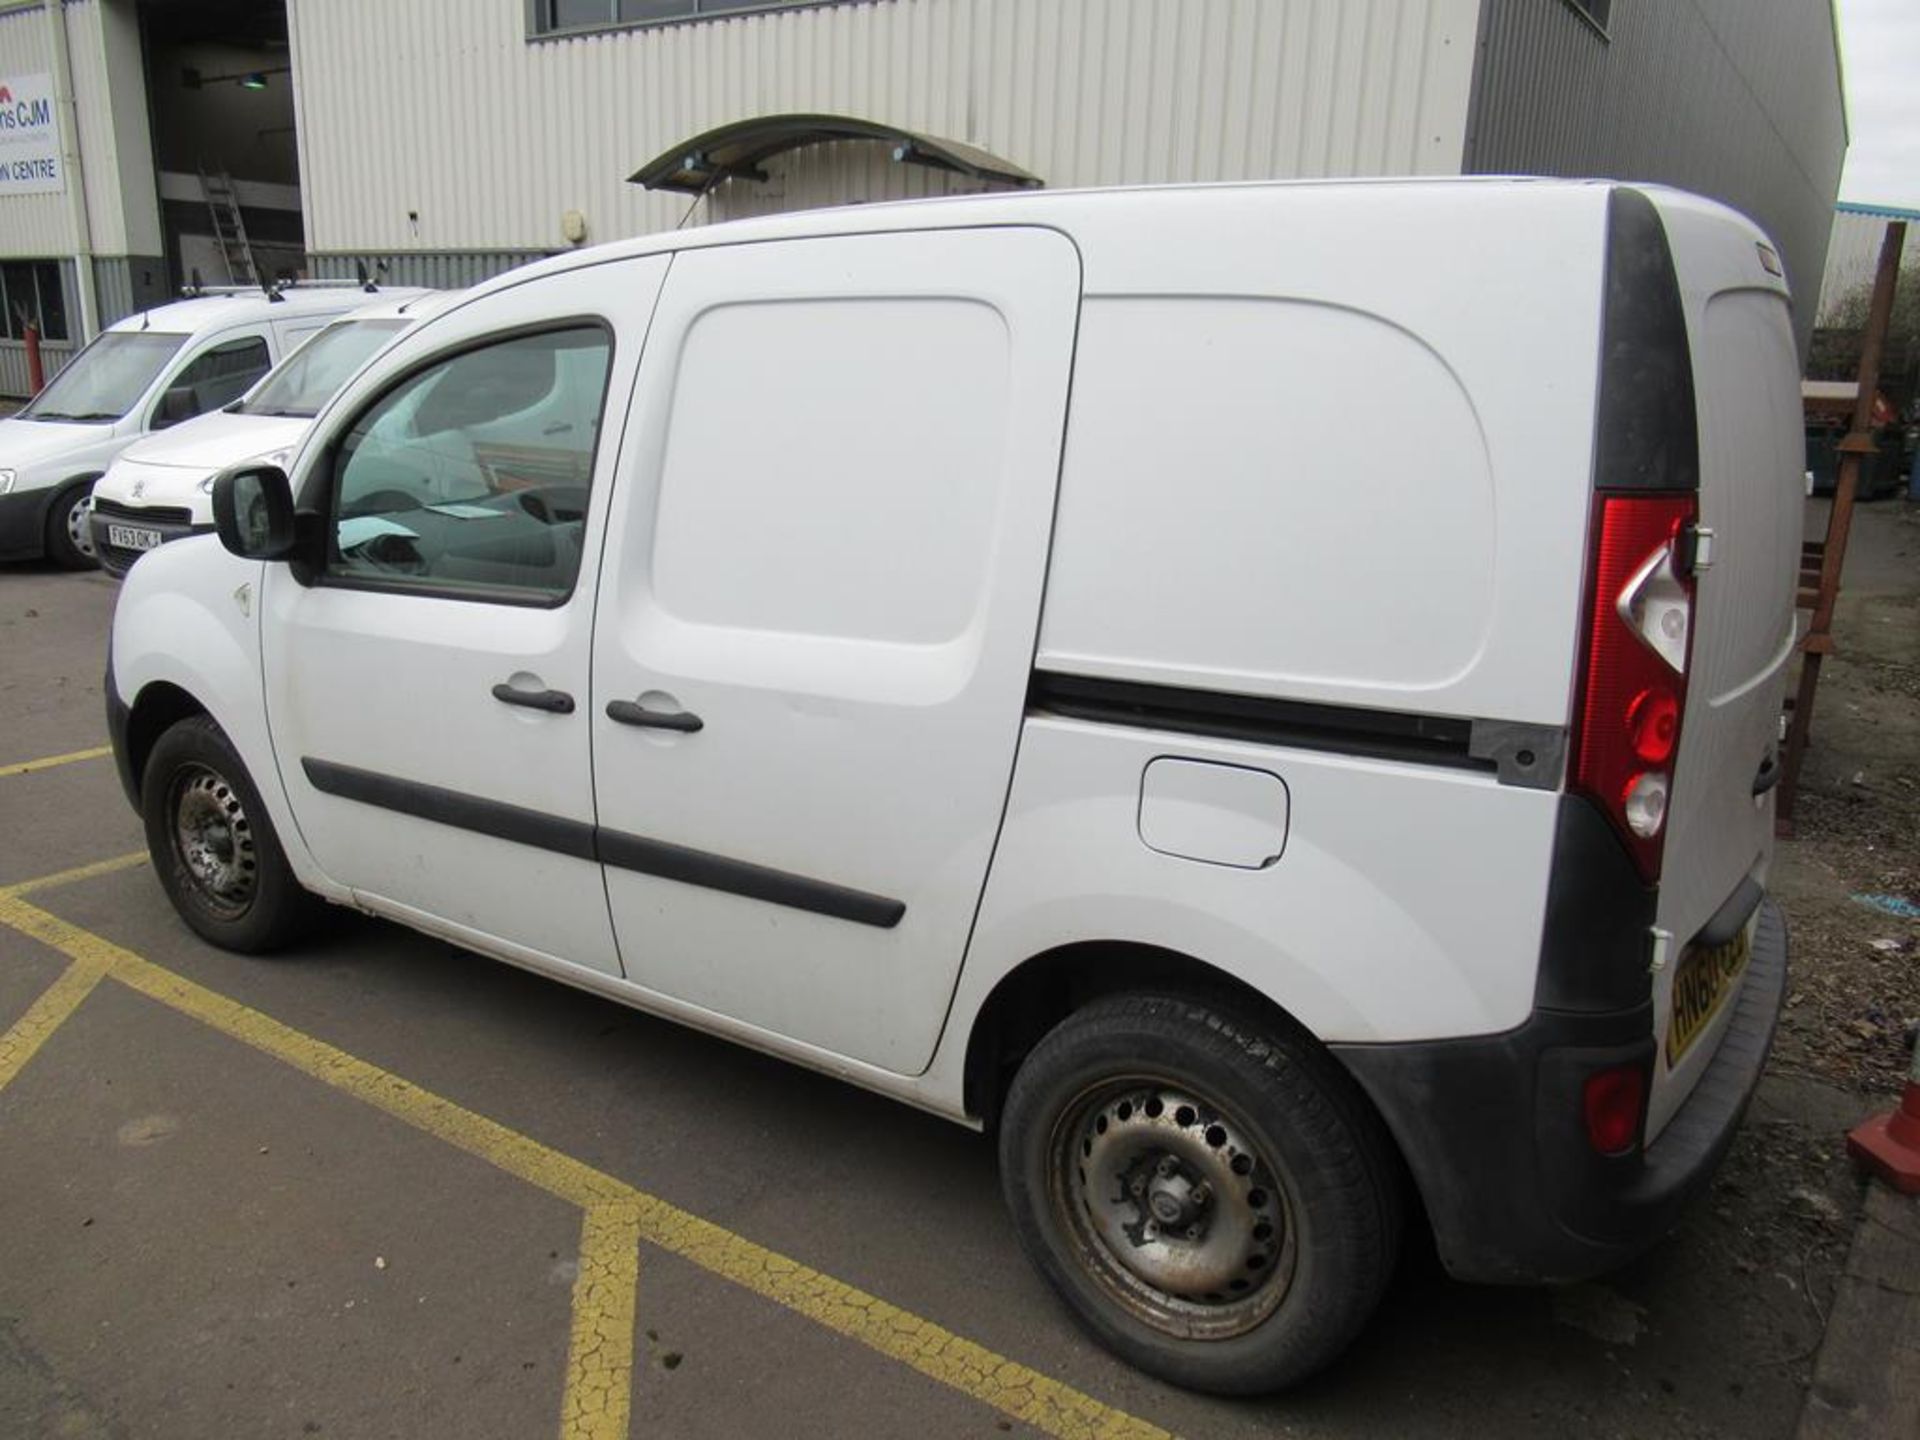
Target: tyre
<point>213,846</point>
<point>1213,1198</point>
<point>69,540</point>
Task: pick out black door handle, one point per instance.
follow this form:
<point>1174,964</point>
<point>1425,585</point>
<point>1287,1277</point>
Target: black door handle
<point>556,702</point>
<point>628,713</point>
<point>1769,775</point>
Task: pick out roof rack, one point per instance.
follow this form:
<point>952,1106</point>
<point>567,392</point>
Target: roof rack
<point>272,290</point>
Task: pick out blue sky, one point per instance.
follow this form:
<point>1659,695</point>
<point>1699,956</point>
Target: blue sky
<point>1880,42</point>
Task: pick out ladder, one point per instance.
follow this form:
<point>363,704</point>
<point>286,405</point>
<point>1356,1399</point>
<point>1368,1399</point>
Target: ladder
<point>229,230</point>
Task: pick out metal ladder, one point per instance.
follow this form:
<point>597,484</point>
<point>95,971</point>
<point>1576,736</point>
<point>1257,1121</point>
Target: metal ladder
<point>229,230</point>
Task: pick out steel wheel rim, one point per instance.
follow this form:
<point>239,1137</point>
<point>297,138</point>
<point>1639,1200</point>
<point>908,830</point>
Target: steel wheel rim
<point>1173,1210</point>
<point>213,843</point>
<point>78,530</point>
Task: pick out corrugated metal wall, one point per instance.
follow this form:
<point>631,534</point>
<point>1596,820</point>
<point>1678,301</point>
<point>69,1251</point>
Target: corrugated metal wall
<point>13,364</point>
<point>436,126</point>
<point>438,270</point>
<point>1853,253</point>
<point>1737,99</point>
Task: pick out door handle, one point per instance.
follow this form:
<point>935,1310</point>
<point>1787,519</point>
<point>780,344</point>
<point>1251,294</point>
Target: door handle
<point>1769,775</point>
<point>555,702</point>
<point>625,712</point>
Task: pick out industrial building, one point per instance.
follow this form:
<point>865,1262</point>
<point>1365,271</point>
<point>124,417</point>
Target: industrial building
<point>441,141</point>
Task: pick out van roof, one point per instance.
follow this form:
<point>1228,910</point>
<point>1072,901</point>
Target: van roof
<point>1066,208</point>
<point>211,312</point>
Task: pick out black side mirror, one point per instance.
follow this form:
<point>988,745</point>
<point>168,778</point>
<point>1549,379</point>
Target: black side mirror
<point>179,403</point>
<point>253,512</point>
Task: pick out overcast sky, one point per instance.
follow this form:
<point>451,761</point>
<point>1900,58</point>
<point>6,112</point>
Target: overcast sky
<point>1881,49</point>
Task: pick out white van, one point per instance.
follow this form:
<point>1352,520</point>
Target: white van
<point>161,488</point>
<point>144,373</point>
<point>974,648</point>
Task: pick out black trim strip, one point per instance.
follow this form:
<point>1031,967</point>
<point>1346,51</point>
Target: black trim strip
<point>739,877</point>
<point>1338,729</point>
<point>609,847</point>
<point>451,807</point>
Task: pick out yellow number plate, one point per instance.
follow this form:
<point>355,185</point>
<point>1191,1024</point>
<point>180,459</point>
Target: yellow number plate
<point>1700,987</point>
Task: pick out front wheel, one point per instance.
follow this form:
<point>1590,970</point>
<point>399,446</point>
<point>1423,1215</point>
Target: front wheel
<point>213,846</point>
<point>1212,1197</point>
<point>69,540</point>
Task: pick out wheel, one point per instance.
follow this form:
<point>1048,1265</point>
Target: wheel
<point>213,846</point>
<point>1213,1199</point>
<point>69,535</point>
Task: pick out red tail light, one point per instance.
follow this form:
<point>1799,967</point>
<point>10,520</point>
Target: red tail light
<point>1611,1102</point>
<point>1633,678</point>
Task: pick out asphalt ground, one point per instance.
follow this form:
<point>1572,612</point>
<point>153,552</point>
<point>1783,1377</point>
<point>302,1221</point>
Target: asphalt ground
<point>378,1186</point>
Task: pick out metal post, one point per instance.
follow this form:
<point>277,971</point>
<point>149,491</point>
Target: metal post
<point>1819,638</point>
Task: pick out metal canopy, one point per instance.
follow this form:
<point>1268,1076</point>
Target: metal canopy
<point>736,151</point>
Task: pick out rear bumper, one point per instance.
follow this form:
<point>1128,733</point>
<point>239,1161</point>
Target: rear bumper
<point>1492,1132</point>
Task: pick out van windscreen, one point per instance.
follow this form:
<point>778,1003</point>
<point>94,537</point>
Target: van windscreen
<point>106,379</point>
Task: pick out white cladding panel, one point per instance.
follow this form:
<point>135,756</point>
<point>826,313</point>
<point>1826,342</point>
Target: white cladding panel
<point>109,95</point>
<point>38,225</point>
<point>443,110</point>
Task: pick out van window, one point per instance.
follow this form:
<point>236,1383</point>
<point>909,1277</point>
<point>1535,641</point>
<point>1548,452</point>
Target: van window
<point>104,380</point>
<point>213,378</point>
<point>472,476</point>
<point>854,498</point>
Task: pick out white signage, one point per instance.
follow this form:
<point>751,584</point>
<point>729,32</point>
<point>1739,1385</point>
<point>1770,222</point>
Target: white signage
<point>29,136</point>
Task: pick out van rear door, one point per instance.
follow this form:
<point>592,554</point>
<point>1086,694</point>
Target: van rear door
<point>1720,819</point>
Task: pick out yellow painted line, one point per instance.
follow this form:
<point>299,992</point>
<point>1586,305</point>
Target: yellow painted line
<point>59,1000</point>
<point>596,1401</point>
<point>599,1389</point>
<point>47,762</point>
<point>77,874</point>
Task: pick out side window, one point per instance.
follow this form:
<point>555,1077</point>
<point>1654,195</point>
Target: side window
<point>471,477</point>
<point>212,379</point>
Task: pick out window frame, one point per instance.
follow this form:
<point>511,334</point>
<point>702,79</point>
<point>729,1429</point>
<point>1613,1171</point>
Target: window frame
<point>38,269</point>
<point>225,340</point>
<point>539,31</point>
<point>317,496</point>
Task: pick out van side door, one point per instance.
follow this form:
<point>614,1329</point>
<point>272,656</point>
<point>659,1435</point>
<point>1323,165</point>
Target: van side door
<point>818,606</point>
<point>427,692</point>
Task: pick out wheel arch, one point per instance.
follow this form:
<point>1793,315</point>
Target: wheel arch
<point>1037,994</point>
<point>159,706</point>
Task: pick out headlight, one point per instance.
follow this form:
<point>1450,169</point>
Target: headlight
<point>6,482</point>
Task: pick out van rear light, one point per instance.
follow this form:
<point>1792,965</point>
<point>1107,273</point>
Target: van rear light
<point>1633,677</point>
<point>1611,1105</point>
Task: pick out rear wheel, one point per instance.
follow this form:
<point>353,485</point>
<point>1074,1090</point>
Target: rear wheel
<point>1212,1197</point>
<point>69,540</point>
<point>213,846</point>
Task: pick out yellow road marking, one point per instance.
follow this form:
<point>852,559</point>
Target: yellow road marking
<point>47,762</point>
<point>597,1399</point>
<point>600,1349</point>
<point>77,874</point>
<point>60,999</point>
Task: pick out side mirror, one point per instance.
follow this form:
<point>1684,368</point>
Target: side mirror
<point>253,512</point>
<point>179,403</point>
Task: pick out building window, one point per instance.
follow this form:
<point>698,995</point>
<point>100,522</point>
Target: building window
<point>30,293</point>
<point>559,17</point>
<point>1595,12</point>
